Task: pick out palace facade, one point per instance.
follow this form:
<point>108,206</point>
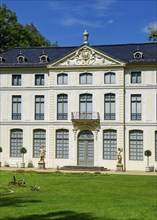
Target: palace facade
<point>82,103</point>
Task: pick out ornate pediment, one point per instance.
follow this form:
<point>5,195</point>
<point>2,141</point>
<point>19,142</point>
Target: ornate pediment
<point>86,56</point>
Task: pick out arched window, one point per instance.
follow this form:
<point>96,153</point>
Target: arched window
<point>16,142</point>
<point>109,78</point>
<point>109,144</point>
<point>39,139</point>
<point>110,106</point>
<point>85,78</point>
<point>62,107</point>
<point>62,144</point>
<point>136,145</point>
<point>62,79</point>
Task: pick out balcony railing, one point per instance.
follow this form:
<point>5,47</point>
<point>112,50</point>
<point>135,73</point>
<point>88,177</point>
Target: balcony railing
<point>39,116</point>
<point>62,116</point>
<point>135,116</point>
<point>16,116</point>
<point>85,116</point>
<point>110,116</point>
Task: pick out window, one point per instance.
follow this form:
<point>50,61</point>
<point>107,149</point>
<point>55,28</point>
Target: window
<point>21,59</point>
<point>62,107</point>
<point>135,107</point>
<point>16,80</point>
<point>110,144</point>
<point>39,139</point>
<point>43,58</point>
<point>110,107</point>
<point>62,79</point>
<point>156,145</point>
<point>85,106</point>
<point>39,80</point>
<point>110,78</point>
<point>62,144</point>
<point>136,145</point>
<point>135,77</point>
<point>16,142</point>
<point>86,78</point>
<point>16,107</point>
<point>39,107</point>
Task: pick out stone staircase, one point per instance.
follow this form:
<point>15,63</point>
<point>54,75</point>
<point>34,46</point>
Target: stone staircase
<point>84,168</point>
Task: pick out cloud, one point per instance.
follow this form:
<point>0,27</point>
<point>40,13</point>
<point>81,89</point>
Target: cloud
<point>110,21</point>
<point>153,25</point>
<point>89,13</point>
<point>76,21</point>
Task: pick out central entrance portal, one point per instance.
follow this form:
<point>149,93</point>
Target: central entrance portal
<point>85,148</point>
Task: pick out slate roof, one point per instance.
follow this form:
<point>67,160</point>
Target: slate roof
<point>123,52</point>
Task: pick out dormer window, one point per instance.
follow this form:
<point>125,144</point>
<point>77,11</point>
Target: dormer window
<point>43,58</point>
<point>21,58</point>
<point>138,55</point>
<point>2,59</point>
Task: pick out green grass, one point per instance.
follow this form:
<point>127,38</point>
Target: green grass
<point>78,197</point>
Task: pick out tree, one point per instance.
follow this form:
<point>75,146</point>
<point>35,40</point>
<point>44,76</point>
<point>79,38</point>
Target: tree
<point>152,33</point>
<point>14,34</point>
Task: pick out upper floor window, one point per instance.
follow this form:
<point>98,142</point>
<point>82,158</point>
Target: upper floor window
<point>39,79</point>
<point>62,79</point>
<point>39,107</point>
<point>86,78</point>
<point>16,142</point>
<point>135,107</point>
<point>16,107</point>
<point>136,145</point>
<point>110,107</point>
<point>110,78</point>
<point>62,107</point>
<point>135,77</point>
<point>16,80</point>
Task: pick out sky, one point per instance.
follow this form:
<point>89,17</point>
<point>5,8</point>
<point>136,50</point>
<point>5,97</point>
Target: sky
<point>107,21</point>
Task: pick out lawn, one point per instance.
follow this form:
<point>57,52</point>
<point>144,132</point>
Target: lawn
<point>77,196</point>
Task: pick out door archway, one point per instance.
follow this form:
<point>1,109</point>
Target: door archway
<point>85,148</point>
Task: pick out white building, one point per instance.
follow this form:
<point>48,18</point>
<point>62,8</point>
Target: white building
<point>82,103</point>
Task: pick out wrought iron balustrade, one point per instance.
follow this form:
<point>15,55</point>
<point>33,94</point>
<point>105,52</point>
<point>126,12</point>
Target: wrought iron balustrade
<point>16,116</point>
<point>39,116</point>
<point>85,115</point>
<point>135,116</point>
<point>62,116</point>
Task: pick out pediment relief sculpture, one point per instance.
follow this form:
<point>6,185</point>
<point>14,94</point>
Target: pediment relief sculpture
<point>86,56</point>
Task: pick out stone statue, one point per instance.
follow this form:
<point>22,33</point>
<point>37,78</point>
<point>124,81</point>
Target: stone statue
<point>42,154</point>
<point>119,156</point>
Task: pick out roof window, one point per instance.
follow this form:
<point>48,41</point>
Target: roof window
<point>138,54</point>
<point>21,58</point>
<point>2,59</point>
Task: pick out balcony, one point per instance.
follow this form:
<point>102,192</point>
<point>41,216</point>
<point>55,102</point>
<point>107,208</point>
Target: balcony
<point>85,118</point>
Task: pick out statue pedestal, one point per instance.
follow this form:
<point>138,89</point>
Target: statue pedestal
<point>41,165</point>
<point>119,167</point>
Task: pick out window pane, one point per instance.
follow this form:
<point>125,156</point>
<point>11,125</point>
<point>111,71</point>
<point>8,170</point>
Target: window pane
<point>136,145</point>
<point>39,139</point>
<point>16,142</point>
<point>62,144</point>
<point>110,144</point>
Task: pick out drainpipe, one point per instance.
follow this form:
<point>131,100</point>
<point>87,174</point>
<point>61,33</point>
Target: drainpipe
<point>124,127</point>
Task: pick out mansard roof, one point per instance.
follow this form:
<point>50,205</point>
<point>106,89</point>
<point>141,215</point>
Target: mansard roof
<point>123,52</point>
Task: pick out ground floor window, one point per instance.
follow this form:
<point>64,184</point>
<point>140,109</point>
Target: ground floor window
<point>109,144</point>
<point>39,139</point>
<point>62,144</point>
<point>136,145</point>
<point>16,142</point>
